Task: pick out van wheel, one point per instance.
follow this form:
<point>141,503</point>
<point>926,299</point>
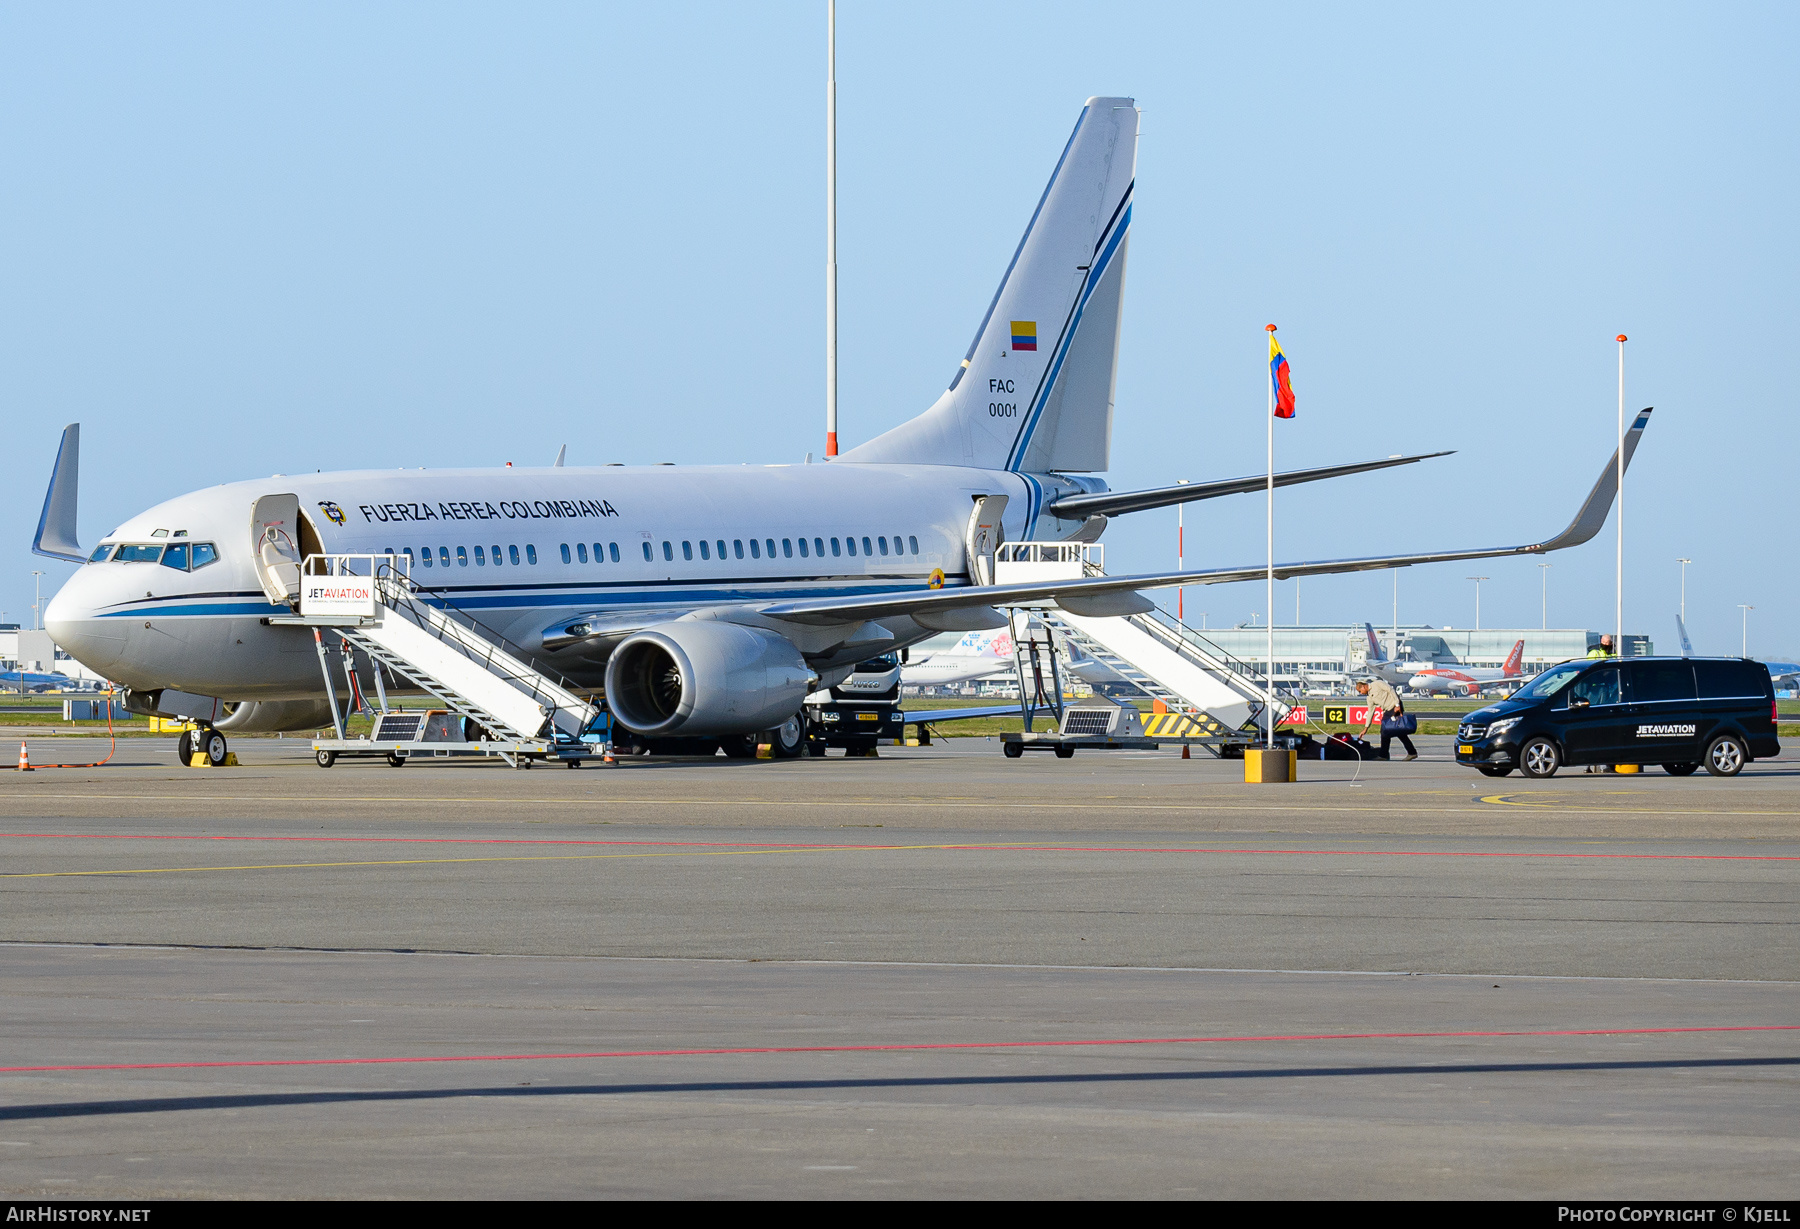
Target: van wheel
<point>325,758</point>
<point>1726,757</point>
<point>1493,770</point>
<point>1681,770</point>
<point>1540,758</point>
<point>788,740</point>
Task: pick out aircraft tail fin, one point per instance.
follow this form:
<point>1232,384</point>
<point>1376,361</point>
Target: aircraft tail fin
<point>1376,653</point>
<point>1515,660</point>
<point>1687,649</point>
<point>1035,390</point>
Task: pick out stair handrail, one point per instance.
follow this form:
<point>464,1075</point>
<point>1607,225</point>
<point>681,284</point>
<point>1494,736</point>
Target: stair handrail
<point>395,588</point>
<point>1165,625</point>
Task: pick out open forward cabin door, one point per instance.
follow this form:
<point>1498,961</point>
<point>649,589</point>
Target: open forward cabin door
<point>281,538</point>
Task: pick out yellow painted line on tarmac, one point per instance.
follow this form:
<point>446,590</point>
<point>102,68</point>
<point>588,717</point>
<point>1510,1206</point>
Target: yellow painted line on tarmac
<point>575,857</point>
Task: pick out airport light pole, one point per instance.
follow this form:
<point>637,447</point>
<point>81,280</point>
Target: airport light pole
<point>1544,596</point>
<point>1477,580</point>
<point>1180,549</point>
<point>1619,562</point>
<point>1744,646</point>
<point>37,598</point>
<point>1684,563</point>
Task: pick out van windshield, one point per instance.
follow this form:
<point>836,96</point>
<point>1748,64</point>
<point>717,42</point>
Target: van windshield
<point>1551,681</point>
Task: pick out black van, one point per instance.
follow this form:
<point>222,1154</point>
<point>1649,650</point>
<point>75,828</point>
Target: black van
<point>1680,712</point>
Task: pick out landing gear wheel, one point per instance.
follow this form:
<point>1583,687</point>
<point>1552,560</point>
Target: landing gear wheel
<point>395,759</point>
<point>1726,756</point>
<point>815,750</point>
<point>1065,753</point>
<point>788,739</point>
<point>739,746</point>
<point>1493,770</point>
<point>184,748</point>
<point>1012,751</point>
<point>325,758</point>
<point>213,744</point>
<point>1681,770</point>
<point>1540,758</point>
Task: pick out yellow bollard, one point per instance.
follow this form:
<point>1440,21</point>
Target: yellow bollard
<point>1265,767</point>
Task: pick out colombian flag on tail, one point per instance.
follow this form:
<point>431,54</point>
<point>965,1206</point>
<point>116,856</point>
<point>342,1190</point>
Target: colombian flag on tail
<point>1278,378</point>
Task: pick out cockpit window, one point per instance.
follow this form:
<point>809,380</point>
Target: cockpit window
<point>204,553</point>
<point>100,553</point>
<point>139,553</point>
<point>176,556</point>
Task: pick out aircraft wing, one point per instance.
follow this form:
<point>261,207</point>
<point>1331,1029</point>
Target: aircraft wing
<point>1117,503</point>
<point>1588,520</point>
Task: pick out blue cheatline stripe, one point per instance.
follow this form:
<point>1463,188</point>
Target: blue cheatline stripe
<point>1036,491</point>
<point>524,599</point>
<point>1101,264</point>
<point>1023,239</point>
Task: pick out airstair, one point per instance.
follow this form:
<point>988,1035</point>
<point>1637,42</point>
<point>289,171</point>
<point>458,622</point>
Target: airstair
<point>1154,651</point>
<point>507,705</point>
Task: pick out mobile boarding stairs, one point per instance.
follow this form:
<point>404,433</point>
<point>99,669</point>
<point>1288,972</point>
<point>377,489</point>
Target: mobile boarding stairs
<point>495,702</point>
<point>1213,700</point>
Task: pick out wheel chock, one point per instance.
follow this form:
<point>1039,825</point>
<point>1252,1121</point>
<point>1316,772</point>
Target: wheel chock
<point>201,761</point>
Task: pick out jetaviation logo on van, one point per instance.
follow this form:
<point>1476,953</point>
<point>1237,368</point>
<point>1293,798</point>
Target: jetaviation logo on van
<point>1679,729</point>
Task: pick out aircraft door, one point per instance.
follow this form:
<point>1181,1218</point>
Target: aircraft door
<point>982,538</point>
<point>275,540</point>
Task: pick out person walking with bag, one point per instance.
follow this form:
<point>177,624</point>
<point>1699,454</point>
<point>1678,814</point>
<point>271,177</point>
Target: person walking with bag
<point>1394,721</point>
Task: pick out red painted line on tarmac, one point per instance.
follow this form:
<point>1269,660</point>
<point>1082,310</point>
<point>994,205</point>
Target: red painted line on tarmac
<point>951,847</point>
<point>904,1047</point>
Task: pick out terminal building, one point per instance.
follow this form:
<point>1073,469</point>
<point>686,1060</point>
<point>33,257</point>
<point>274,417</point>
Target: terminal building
<point>1306,656</point>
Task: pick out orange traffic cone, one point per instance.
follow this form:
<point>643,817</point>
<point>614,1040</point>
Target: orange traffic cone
<point>1184,752</point>
<point>24,758</point>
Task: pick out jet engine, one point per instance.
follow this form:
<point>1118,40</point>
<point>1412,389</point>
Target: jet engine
<point>268,716</point>
<point>700,677</point>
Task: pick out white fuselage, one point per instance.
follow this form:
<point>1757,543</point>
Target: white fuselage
<point>526,550</point>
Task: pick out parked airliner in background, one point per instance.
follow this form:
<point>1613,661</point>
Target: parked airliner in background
<point>976,656</point>
<point>706,600</point>
<point>1470,680</point>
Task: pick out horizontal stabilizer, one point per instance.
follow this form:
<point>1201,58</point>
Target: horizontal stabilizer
<point>1117,503</point>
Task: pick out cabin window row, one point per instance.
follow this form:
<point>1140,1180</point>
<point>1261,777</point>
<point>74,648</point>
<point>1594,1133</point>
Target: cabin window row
<point>737,548</point>
<point>759,548</point>
<point>425,557</point>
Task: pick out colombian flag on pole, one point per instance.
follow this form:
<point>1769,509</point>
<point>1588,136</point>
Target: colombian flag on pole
<point>1278,378</point>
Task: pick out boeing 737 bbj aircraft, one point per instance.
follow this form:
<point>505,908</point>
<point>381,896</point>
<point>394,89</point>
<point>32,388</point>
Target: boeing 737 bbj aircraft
<point>707,600</point>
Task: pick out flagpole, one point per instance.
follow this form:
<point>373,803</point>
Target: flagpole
<point>1619,563</point>
<point>1269,677</point>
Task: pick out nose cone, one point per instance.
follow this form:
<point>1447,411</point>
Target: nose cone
<point>72,622</point>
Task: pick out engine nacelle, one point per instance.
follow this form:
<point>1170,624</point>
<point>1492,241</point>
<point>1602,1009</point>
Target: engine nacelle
<point>268,716</point>
<point>697,676</point>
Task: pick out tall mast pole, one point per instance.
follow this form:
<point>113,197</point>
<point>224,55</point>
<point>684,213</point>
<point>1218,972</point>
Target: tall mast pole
<point>831,293</point>
<point>1619,563</point>
<point>1269,678</point>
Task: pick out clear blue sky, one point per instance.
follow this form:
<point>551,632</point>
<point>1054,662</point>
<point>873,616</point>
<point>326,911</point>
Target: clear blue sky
<point>242,239</point>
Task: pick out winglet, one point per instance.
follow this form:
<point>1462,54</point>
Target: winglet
<point>561,453</point>
<point>56,524</point>
<point>1592,516</point>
